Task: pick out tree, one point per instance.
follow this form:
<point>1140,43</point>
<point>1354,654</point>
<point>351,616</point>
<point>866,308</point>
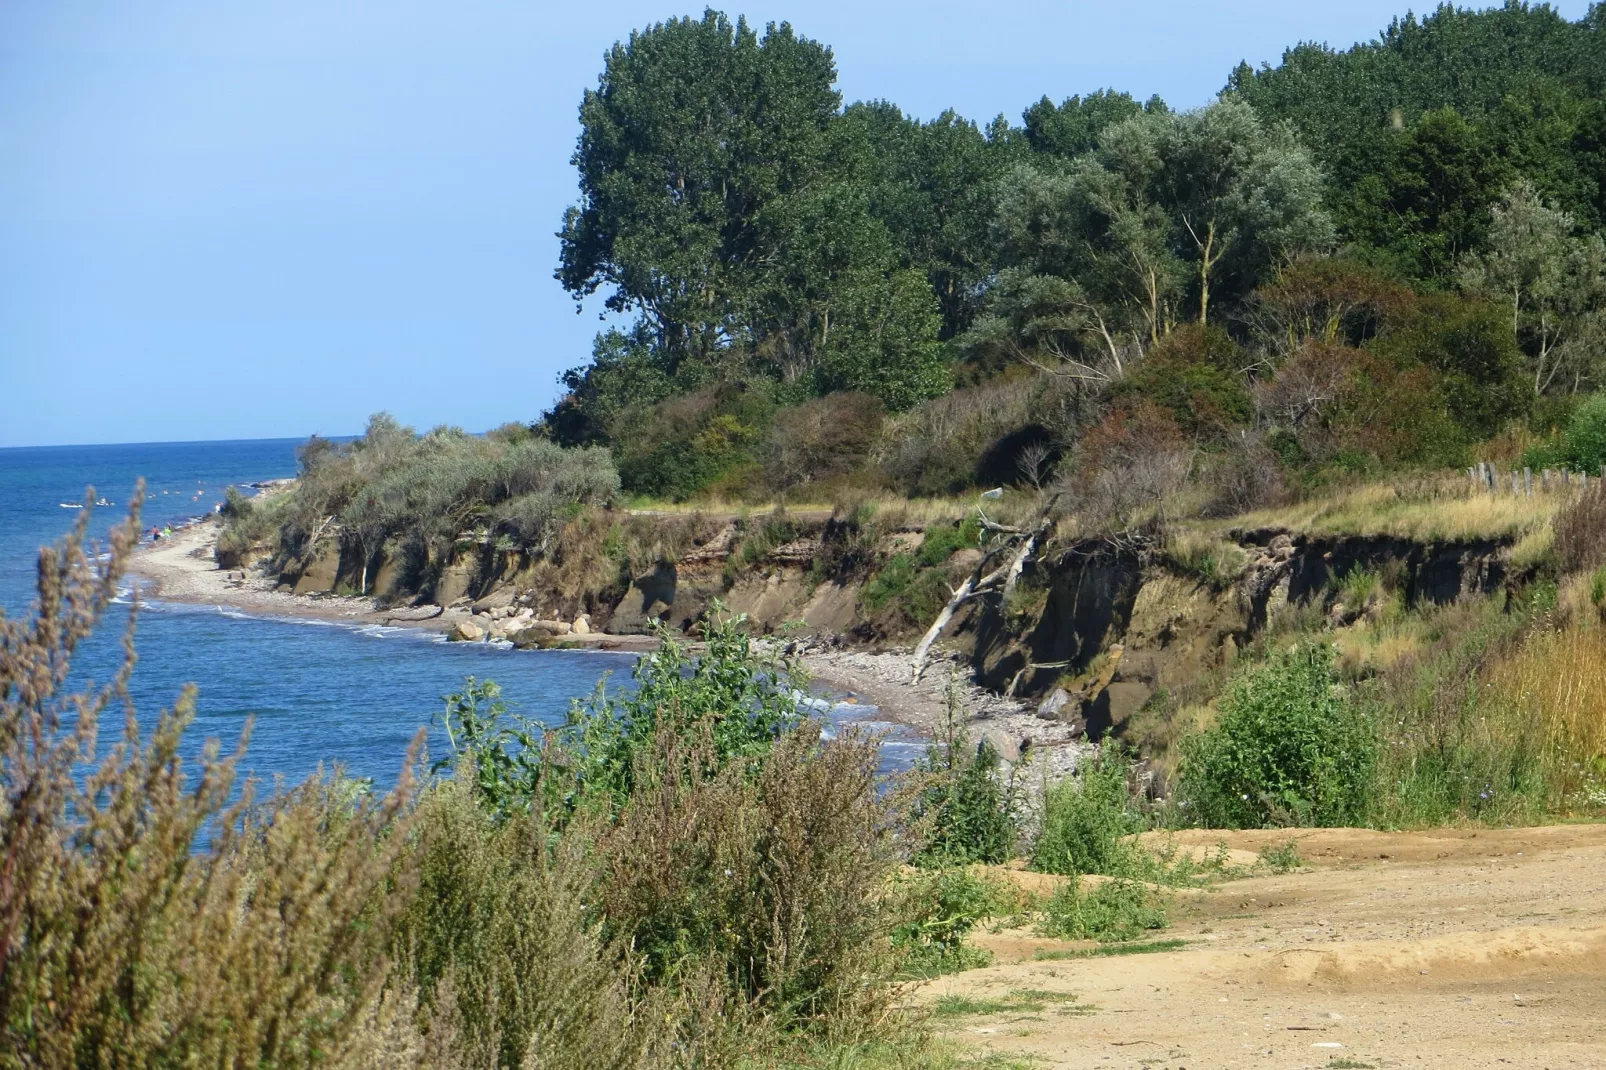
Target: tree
<point>1073,127</point>
<point>1244,193</point>
<point>1551,279</point>
<point>931,185</point>
<point>887,344</point>
<point>1427,204</point>
<point>1214,195</point>
<point>697,131</point>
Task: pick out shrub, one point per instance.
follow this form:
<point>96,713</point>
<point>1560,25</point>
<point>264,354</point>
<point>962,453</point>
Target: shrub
<point>770,874</point>
<point>682,446</point>
<point>938,447</point>
<point>821,440</point>
<point>143,919</point>
<point>1581,446</point>
<point>1286,750</point>
<point>1196,375</point>
<point>744,697</point>
<point>1086,820</point>
<point>419,495</point>
<point>1128,466</point>
<point>940,908</point>
<point>1107,911</point>
<point>501,944</point>
<point>966,805</point>
<point>727,897</point>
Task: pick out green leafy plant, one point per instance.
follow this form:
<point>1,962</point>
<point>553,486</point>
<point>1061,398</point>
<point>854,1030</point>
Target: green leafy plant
<point>1118,909</point>
<point>967,806</point>
<point>1281,857</point>
<point>1288,749</point>
<point>1087,820</point>
<point>940,909</point>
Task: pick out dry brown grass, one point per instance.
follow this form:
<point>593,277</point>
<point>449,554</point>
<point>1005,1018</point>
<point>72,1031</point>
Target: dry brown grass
<point>1427,508</point>
<point>1552,691</point>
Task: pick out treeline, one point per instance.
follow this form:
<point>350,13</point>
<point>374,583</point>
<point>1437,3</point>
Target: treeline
<point>1354,260</point>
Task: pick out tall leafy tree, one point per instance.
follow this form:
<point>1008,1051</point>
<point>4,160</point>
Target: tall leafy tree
<point>932,185</point>
<point>1551,279</point>
<point>1072,127</point>
<point>1169,208</point>
<point>697,131</point>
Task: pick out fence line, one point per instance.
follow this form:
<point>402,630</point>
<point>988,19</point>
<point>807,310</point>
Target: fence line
<point>1487,477</point>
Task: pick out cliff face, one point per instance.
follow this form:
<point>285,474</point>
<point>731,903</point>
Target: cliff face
<point>1105,628</point>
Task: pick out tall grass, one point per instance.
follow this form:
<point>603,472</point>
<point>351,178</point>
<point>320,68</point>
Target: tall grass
<point>1552,693</point>
<point>730,899</point>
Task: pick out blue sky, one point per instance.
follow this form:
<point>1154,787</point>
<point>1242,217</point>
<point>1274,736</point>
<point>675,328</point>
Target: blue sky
<point>240,220</point>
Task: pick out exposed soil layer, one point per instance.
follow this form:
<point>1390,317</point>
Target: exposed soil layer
<point>1449,948</point>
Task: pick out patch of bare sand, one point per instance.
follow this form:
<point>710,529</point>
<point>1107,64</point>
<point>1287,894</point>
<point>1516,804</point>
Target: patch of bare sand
<point>1449,948</point>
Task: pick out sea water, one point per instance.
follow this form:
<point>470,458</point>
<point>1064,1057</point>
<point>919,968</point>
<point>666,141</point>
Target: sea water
<point>314,693</point>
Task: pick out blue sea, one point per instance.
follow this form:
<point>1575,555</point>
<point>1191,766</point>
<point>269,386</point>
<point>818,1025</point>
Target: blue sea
<point>316,693</point>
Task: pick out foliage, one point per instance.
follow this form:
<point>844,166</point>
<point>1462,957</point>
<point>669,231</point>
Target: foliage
<point>1112,910</point>
<point>418,495</point>
<point>821,439</point>
<point>1581,445</point>
<point>1016,292</point>
<point>1286,750</point>
<point>744,697</point>
<point>967,806</point>
<point>732,899</point>
<point>1552,280</point>
<point>1088,820</point>
<point>1281,857</point>
<point>942,907</point>
<point>148,917</point>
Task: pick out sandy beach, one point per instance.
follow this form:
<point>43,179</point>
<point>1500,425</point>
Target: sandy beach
<point>182,569</point>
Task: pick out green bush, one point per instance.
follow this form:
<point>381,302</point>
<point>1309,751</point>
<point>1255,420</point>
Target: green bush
<point>939,909</point>
<point>745,697</point>
<point>1287,750</point>
<point>1108,911</point>
<point>967,807</point>
<point>1581,445</point>
<point>1086,820</point>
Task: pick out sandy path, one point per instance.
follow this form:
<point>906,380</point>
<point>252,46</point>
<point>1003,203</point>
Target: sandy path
<point>1475,948</point>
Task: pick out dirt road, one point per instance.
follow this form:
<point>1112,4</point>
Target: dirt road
<point>1458,948</point>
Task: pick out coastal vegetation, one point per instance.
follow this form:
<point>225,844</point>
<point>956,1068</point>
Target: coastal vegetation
<point>1223,374</point>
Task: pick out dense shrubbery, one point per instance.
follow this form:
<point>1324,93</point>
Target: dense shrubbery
<point>673,879</point>
<point>1287,749</point>
<point>419,495</point>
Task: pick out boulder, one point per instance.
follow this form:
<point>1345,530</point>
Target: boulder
<point>497,599</point>
<point>582,625</point>
<point>412,613</point>
<point>1058,704</point>
<point>465,631</point>
<point>556,627</point>
<point>1007,747</point>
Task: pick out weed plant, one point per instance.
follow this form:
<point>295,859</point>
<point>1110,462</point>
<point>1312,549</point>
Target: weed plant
<point>1287,749</point>
<point>1114,910</point>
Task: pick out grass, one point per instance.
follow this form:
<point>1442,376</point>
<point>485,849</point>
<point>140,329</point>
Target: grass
<point>1429,509</point>
<point>1282,857</point>
<point>1108,950</point>
<point>1016,1001</point>
<point>907,1053</point>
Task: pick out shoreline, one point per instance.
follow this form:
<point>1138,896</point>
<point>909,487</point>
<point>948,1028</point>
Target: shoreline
<point>182,570</point>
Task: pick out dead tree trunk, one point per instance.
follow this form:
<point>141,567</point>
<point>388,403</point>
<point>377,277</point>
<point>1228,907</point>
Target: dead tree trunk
<point>1024,544</point>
